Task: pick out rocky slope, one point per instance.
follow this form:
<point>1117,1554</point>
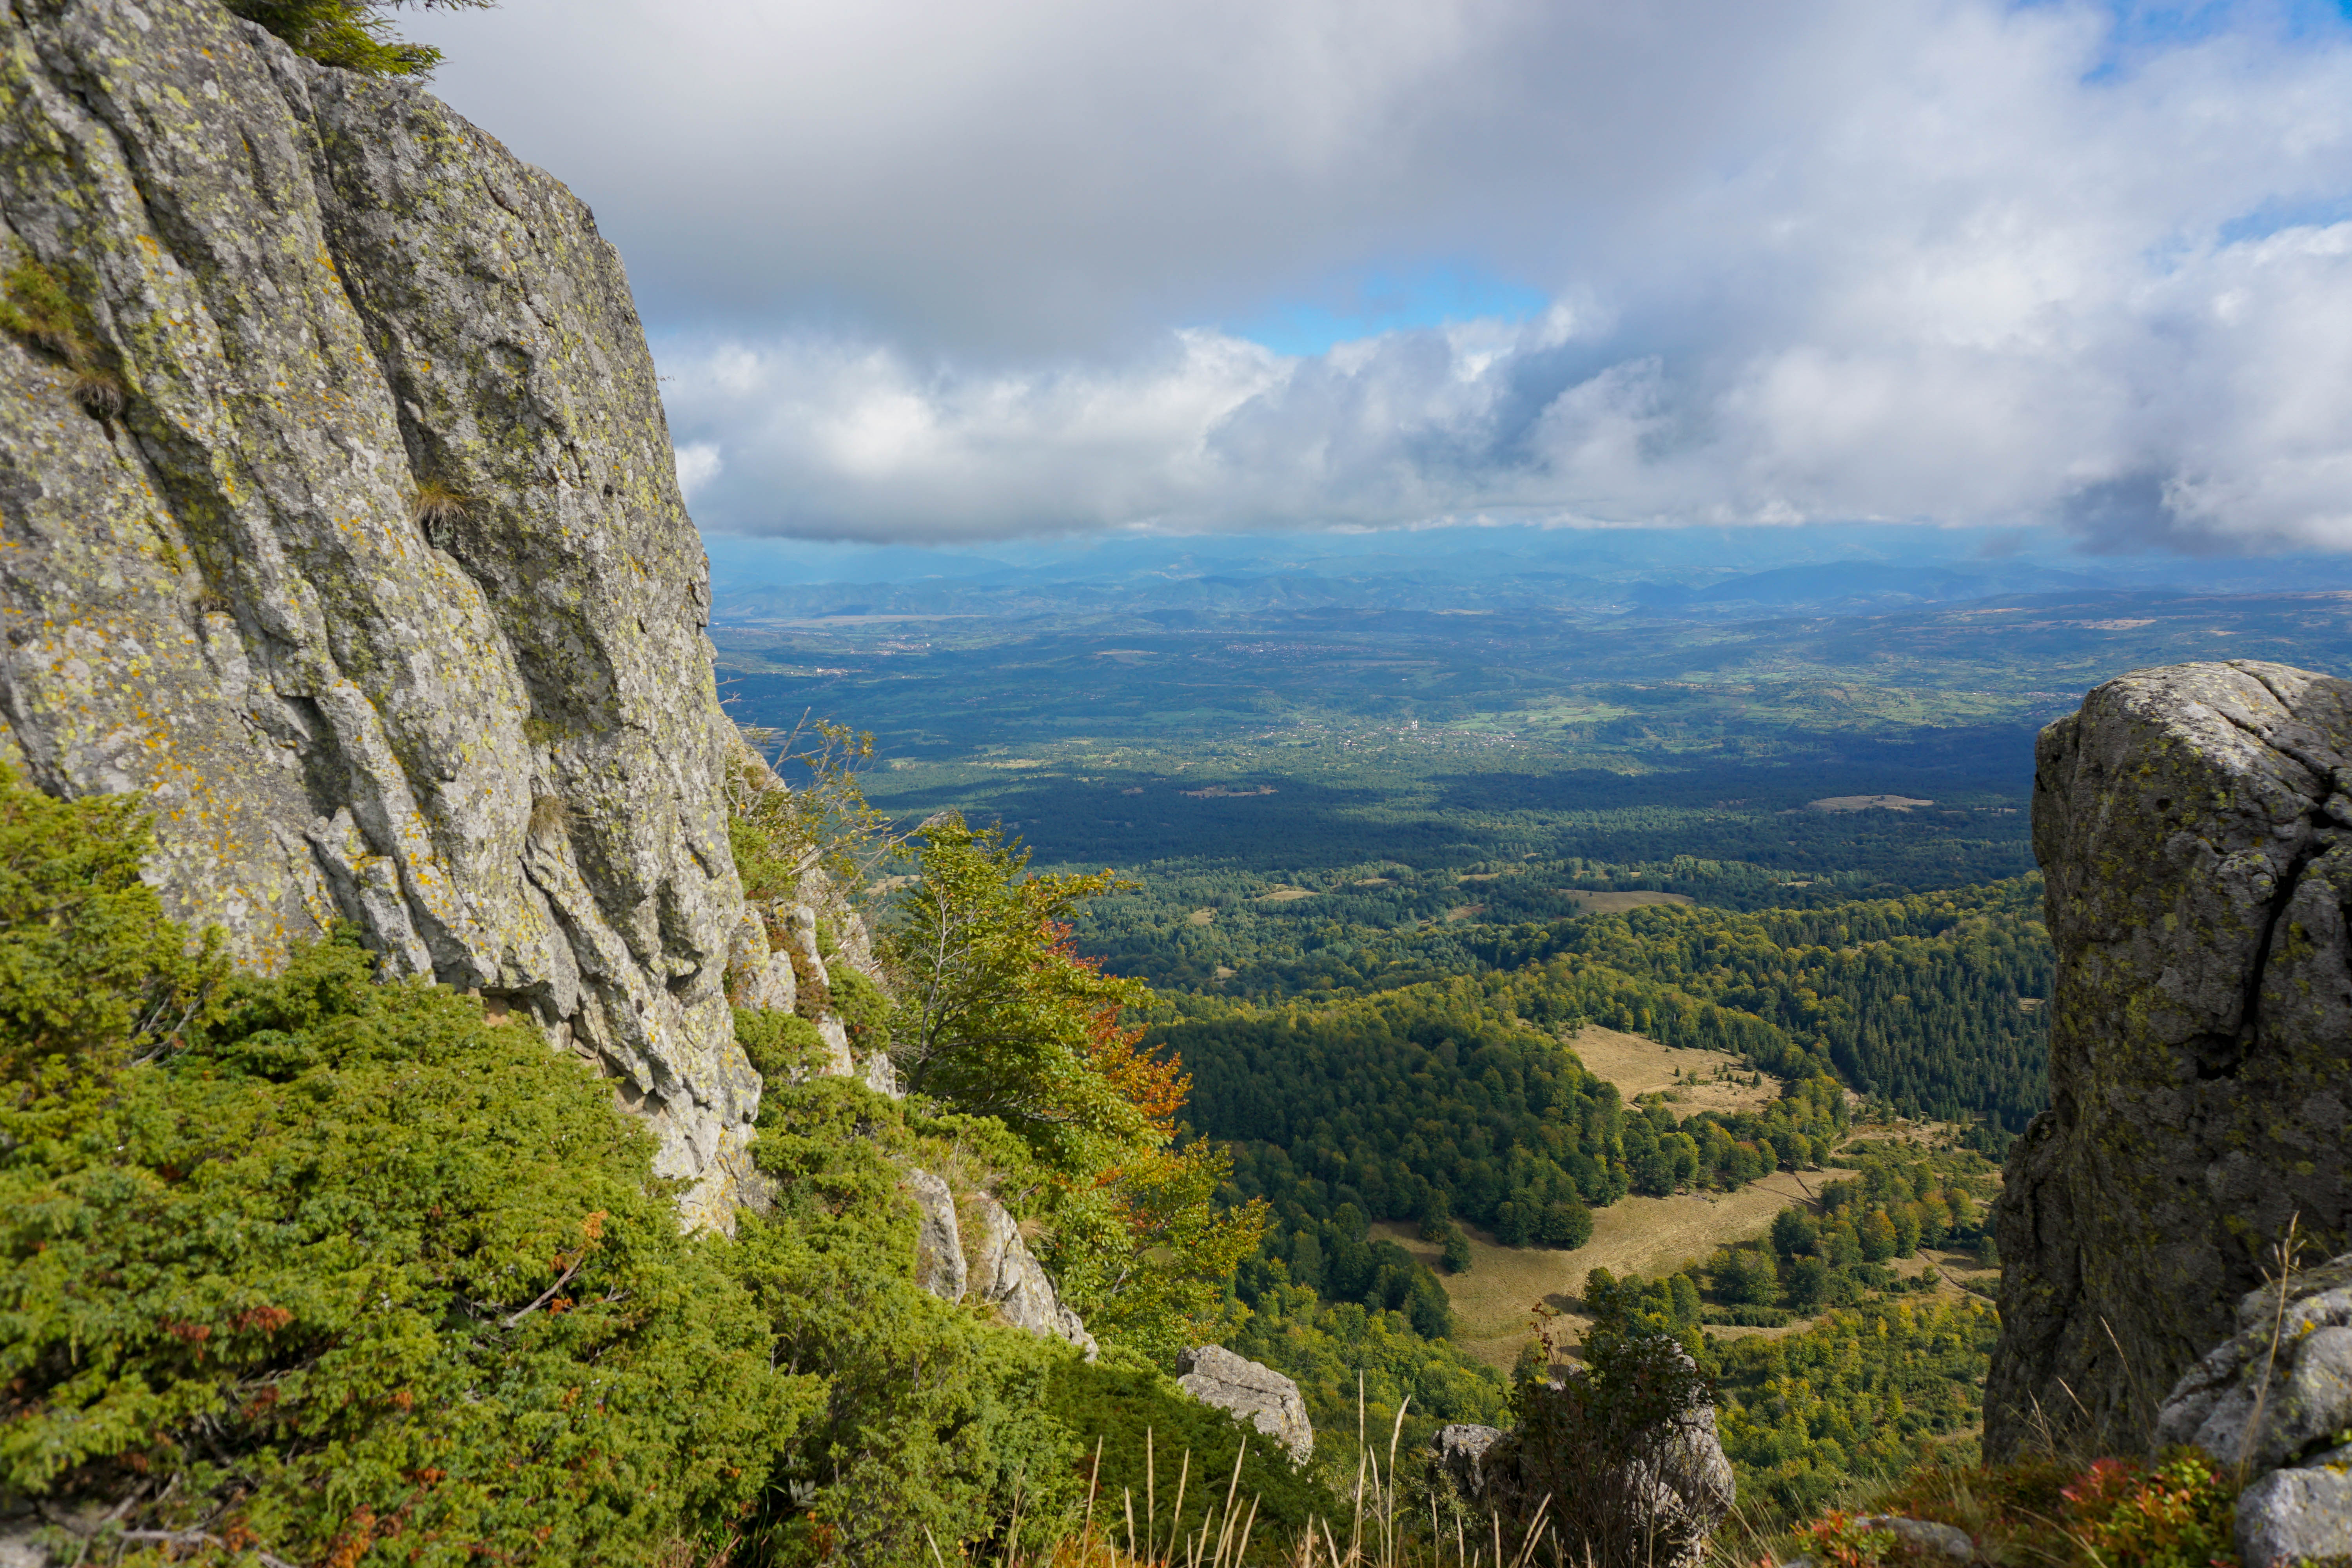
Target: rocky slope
<point>338,516</point>
<point>2195,827</point>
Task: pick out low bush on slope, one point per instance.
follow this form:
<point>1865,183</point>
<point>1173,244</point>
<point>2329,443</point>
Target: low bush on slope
<point>320,1267</point>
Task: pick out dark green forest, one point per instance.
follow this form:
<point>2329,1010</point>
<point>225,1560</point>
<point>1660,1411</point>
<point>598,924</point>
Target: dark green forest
<point>1931,1003</point>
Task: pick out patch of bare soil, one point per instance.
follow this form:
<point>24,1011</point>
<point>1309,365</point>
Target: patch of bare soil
<point>1639,1066</point>
<point>1592,903</point>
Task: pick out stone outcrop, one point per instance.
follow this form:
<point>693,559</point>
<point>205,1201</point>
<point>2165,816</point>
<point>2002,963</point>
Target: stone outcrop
<point>973,1251</point>
<point>1249,1390</point>
<point>939,1266</point>
<point>1459,1451</point>
<point>2194,823</point>
<point>1007,1276</point>
<point>1654,1495</point>
<point>2275,1399</point>
<point>341,525</point>
<point>2292,1516</point>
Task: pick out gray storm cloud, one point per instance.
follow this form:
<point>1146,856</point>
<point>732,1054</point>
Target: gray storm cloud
<point>938,273</point>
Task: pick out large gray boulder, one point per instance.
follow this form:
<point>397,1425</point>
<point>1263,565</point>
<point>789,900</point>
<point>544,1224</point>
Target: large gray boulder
<point>2275,1400</point>
<point>2191,825</point>
<point>1251,1391</point>
<point>344,530</point>
<point>939,1266</point>
<point>2280,1388</point>
<point>2293,1517</point>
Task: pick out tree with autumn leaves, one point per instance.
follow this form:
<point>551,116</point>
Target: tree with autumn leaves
<point>996,1014</point>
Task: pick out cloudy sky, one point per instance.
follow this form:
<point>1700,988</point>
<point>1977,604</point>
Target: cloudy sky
<point>964,270</point>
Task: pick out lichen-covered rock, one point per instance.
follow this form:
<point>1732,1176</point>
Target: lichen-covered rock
<point>986,1260</point>
<point>939,1240</point>
<point>1460,1451</point>
<point>379,586</point>
<point>1007,1276</point>
<point>1257,1392</point>
<point>2298,1516</point>
<point>2281,1388</point>
<point>2191,825</point>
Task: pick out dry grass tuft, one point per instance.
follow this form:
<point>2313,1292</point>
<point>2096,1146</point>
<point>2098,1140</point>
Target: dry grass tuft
<point>437,505</point>
<point>101,395</point>
<point>548,816</point>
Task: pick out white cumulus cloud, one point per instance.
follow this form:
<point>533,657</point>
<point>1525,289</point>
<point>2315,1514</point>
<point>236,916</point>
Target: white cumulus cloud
<point>928,272</point>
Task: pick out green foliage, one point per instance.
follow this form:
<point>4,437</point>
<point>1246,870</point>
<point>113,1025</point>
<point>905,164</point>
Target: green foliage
<point>1667,1305</point>
<point>335,1269</point>
<point>1155,1437</point>
<point>351,35</point>
<point>863,1009</point>
<point>933,1415</point>
<point>778,833</point>
<point>781,1045</point>
<point>1331,1350</point>
<point>1432,1101</point>
<point>1144,1251</point>
<point>1594,1438</point>
<point>1400,1101</point>
<point>89,972</point>
<point>1930,1002</point>
<point>1865,1393</point>
<point>35,306</point>
<point>38,309</point>
<point>996,1014</point>
<point>2177,1513</point>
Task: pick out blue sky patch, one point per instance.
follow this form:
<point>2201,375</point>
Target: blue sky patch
<point>1376,302</point>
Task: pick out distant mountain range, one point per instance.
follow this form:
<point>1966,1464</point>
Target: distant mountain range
<point>1677,573</point>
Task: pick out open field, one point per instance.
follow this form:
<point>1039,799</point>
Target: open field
<point>1633,1235</point>
<point>1638,1066</point>
<point>1493,1302</point>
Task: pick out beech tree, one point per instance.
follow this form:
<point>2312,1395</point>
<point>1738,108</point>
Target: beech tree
<point>998,1015</point>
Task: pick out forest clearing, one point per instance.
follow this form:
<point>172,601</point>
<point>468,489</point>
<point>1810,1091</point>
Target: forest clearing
<point>1649,1237</point>
<point>1638,1065</point>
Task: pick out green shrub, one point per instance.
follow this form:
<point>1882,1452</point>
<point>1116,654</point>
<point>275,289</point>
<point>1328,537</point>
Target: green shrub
<point>1456,1255</point>
<point>781,1045</point>
<point>1152,1434</point>
<point>862,1008</point>
<point>2178,1513</point>
<point>351,35</point>
<point>932,1417</point>
<point>327,1268</point>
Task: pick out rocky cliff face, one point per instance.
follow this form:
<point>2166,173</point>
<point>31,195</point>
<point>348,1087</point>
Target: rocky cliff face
<point>2195,827</point>
<point>338,518</point>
